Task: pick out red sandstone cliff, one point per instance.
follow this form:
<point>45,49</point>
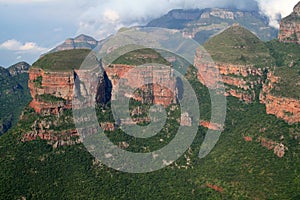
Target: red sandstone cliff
<point>290,27</point>
<point>62,86</point>
<point>58,84</point>
<point>239,81</point>
<point>155,85</point>
<point>287,109</point>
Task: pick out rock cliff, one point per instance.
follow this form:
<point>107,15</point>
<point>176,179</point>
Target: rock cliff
<point>285,108</point>
<point>152,84</point>
<point>53,90</point>
<point>290,27</point>
<point>239,63</point>
<point>162,89</point>
<point>203,24</point>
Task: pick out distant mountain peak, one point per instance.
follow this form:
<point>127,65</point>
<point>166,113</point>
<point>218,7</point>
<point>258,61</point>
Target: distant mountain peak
<point>80,42</point>
<point>238,45</point>
<point>200,25</point>
<point>19,68</point>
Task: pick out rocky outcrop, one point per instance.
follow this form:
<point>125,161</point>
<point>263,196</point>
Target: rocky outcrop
<point>279,149</point>
<point>108,126</point>
<point>290,27</point>
<point>151,84</point>
<point>287,109</point>
<point>19,68</point>
<point>52,92</point>
<point>215,187</point>
<point>211,126</point>
<point>56,84</point>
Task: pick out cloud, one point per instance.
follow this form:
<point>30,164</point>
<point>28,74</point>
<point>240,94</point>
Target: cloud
<point>24,1</point>
<point>106,17</point>
<point>14,45</point>
<point>111,15</point>
<point>275,9</point>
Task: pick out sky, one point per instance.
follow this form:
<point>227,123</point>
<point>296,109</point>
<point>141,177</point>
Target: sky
<point>32,27</point>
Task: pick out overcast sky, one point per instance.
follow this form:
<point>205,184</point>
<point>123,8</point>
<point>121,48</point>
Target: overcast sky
<point>32,27</point>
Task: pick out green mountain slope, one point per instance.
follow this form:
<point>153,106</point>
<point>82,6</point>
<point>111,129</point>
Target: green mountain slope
<point>287,56</point>
<point>14,94</point>
<point>237,45</point>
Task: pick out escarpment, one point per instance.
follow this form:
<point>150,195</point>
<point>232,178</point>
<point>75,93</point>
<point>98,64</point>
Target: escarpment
<point>283,107</point>
<point>290,27</point>
<point>57,79</point>
<point>53,86</point>
<point>239,62</point>
<point>54,81</point>
<point>154,83</point>
<point>151,84</point>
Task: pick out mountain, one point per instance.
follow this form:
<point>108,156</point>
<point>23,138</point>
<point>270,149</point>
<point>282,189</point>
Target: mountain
<point>290,27</point>
<point>237,45</point>
<point>241,59</point>
<point>202,24</point>
<point>42,157</point>
<point>14,94</point>
<point>256,156</point>
<point>79,42</point>
<point>281,92</point>
<point>176,19</point>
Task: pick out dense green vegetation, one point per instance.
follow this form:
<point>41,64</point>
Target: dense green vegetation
<point>14,96</point>
<point>287,56</point>
<point>63,60</point>
<point>237,45</point>
<point>49,98</point>
<point>140,57</point>
<point>244,170</point>
<point>38,82</point>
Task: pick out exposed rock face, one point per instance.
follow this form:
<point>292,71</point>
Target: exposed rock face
<point>290,27</point>
<point>202,24</point>
<point>239,81</point>
<point>108,126</point>
<point>153,85</point>
<point>278,148</point>
<point>222,13</point>
<point>57,84</point>
<point>19,68</point>
<point>61,86</point>
<point>287,109</point>
<point>62,138</point>
<point>211,126</point>
<point>185,120</point>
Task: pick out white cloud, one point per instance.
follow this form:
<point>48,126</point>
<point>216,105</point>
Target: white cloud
<point>276,8</point>
<point>111,15</point>
<point>24,1</point>
<point>14,45</point>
